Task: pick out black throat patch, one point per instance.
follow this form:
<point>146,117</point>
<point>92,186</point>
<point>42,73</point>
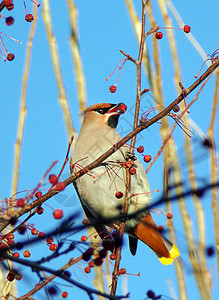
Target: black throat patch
<point>113,121</point>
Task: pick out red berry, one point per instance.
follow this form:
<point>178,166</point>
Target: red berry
<point>10,276</point>
<point>91,264</point>
<point>140,149</point>
<point>21,229</point>
<point>18,276</point>
<point>118,195</point>
<point>64,294</point>
<point>10,236</point>
<point>83,238</point>
<point>87,269</point>
<point>159,35</point>
<point>112,256</point>
<point>143,121</point>
<point>10,7</point>
<point>169,216</point>
<point>26,253</point>
<point>29,17</point>
<point>87,254</point>
<point>160,228</point>
<point>58,214</point>
<point>16,254</point>
<point>60,186</point>
<point>176,108</point>
<point>53,179</point>
<point>132,171</point>
<point>85,222</point>
<point>151,294</point>
<point>40,210</point>
<point>128,164</point>
<point>186,28</point>
<point>147,158</point>
<point>50,240</point>
<point>38,194</point>
<point>3,246</point>
<point>7,2</point>
<point>20,203</point>
<point>122,271</point>
<point>53,247</point>
<point>10,56</point>
<point>10,242</point>
<point>9,21</point>
<point>41,235</point>
<point>102,253</point>
<point>98,261</point>
<point>113,88</point>
<point>122,107</point>
<point>34,231</point>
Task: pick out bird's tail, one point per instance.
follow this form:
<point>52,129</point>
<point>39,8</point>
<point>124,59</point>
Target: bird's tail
<point>147,231</point>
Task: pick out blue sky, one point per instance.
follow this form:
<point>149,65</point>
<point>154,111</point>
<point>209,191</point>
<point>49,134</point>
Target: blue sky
<point>104,28</point>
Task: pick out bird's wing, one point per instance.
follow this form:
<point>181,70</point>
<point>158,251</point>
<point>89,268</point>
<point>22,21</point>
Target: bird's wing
<point>100,228</point>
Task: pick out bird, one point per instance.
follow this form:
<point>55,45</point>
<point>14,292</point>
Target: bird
<point>102,190</point>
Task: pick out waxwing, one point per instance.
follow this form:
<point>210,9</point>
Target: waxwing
<point>102,190</point>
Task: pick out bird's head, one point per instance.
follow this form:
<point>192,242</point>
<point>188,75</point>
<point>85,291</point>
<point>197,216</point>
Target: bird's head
<point>104,114</point>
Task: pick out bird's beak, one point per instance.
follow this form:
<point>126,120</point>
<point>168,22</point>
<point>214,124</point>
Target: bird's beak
<point>117,109</point>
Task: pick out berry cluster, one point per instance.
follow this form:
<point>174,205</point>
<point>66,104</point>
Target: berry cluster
<point>96,258</point>
<point>159,34</point>
<point>9,5</point>
<point>59,186</point>
<point>147,157</point>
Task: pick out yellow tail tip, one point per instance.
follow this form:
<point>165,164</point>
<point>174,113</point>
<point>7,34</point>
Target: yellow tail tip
<point>174,253</point>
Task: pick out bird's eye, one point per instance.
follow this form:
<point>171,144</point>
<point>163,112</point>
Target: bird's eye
<point>101,111</point>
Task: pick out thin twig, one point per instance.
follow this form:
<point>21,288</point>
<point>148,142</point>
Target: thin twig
<point>23,109</point>
<point>136,118</point>
<point>37,267</point>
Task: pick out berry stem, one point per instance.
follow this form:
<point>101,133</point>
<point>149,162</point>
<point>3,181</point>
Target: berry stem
<point>124,60</point>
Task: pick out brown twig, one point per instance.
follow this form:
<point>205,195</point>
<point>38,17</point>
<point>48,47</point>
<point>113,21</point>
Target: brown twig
<point>37,267</point>
<point>128,56</point>
<point>48,279</point>
<point>138,64</point>
<point>175,124</point>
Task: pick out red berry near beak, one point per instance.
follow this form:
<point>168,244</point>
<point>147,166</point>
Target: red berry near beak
<point>122,107</point>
